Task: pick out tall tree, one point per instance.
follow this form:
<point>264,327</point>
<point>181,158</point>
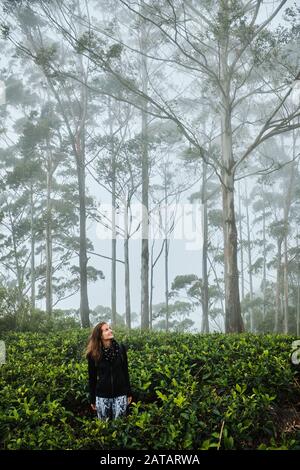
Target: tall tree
<point>74,116</point>
<point>230,46</point>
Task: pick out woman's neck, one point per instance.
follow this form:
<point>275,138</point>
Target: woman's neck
<point>107,343</point>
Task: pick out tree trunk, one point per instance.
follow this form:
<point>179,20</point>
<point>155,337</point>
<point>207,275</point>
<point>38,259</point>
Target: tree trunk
<point>278,313</point>
<point>49,269</point>
<point>127,272</point>
<point>114,239</point>
<point>249,258</point>
<point>145,190</point>
<point>298,306</point>
<point>264,259</point>
<point>151,286</point>
<point>83,260</point>
<point>233,318</point>
<point>167,282</point>
<point>298,292</point>
<point>80,161</point>
<point>241,245</point>
<point>287,208</point>
<point>113,273</point>
<point>77,139</point>
<point>205,321</point>
<point>20,275</point>
<point>152,266</point>
<point>285,287</point>
<point>166,228</point>
<point>32,243</point>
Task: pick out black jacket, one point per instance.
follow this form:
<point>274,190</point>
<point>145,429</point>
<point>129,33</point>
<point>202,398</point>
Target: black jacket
<point>109,379</point>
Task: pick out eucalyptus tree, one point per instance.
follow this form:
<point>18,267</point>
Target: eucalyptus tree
<point>17,212</point>
<point>39,209</point>
<point>260,204</point>
<point>207,197</point>
<point>276,212</point>
<point>118,170</point>
<point>229,45</point>
<point>73,104</point>
<point>179,312</point>
<point>165,196</point>
<point>236,67</point>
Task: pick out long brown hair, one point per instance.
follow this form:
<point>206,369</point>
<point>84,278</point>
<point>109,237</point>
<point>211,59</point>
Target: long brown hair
<point>93,348</point>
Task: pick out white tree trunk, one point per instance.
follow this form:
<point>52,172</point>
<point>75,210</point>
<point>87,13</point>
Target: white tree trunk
<point>205,321</point>
<point>127,269</point>
<point>49,267</point>
<point>32,243</point>
<point>145,191</point>
<point>233,318</point>
<point>241,245</point>
<point>113,222</point>
<point>249,259</point>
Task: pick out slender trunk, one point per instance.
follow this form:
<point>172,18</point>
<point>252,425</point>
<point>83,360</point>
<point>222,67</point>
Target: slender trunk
<point>167,282</point>
<point>77,139</point>
<point>151,286</point>
<point>114,239</point>
<point>233,318</point>
<point>298,292</point>
<point>249,259</point>
<point>152,266</point>
<point>166,248</point>
<point>220,288</point>
<point>145,190</point>
<point>20,281</point>
<point>113,271</point>
<point>287,208</point>
<point>32,243</point>
<point>78,145</point>
<point>127,284</point>
<point>127,273</point>
<point>278,313</point>
<point>80,160</point>
<point>83,259</point>
<point>49,268</point>
<point>205,321</point>
<point>298,306</point>
<point>241,245</point>
<point>264,260</point>
<point>285,287</point>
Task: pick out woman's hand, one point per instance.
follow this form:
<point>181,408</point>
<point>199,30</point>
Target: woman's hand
<point>93,406</point>
<point>129,400</point>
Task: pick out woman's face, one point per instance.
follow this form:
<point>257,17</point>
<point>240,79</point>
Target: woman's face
<point>106,332</point>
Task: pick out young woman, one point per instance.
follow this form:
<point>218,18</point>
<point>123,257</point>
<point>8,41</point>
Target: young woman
<point>109,384</point>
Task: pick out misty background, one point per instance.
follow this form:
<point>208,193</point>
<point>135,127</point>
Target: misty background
<point>160,103</point>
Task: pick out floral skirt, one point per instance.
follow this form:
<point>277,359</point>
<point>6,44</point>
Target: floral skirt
<point>111,407</point>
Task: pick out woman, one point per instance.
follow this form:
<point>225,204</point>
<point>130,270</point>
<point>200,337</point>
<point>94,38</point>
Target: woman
<point>110,391</point>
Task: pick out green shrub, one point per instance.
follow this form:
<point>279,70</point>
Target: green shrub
<point>190,392</point>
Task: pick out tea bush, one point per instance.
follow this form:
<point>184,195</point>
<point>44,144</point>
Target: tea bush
<point>190,392</point>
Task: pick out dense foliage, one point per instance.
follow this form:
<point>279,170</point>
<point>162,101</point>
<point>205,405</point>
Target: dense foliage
<point>190,392</point>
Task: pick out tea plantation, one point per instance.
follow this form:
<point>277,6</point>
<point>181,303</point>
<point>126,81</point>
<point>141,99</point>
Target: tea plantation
<point>190,392</point>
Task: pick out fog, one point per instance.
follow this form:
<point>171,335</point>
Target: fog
<point>184,112</point>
